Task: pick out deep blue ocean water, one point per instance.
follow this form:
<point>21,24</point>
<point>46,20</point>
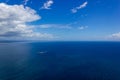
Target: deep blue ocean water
<point>60,61</point>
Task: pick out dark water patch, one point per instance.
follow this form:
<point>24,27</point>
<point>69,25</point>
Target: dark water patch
<point>60,61</point>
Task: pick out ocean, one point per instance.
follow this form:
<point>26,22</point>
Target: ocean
<point>70,60</point>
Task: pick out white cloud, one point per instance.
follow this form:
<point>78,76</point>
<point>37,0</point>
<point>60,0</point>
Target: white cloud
<point>82,27</point>
<point>13,23</point>
<point>57,26</point>
<point>115,36</point>
<point>74,10</point>
<point>25,2</point>
<point>47,5</point>
<point>83,5</point>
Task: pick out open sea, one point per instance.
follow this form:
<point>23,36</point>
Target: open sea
<point>60,60</point>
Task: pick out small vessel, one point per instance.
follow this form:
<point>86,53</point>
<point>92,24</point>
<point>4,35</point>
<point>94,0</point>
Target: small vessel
<point>42,52</point>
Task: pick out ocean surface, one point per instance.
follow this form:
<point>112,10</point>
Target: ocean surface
<point>60,61</point>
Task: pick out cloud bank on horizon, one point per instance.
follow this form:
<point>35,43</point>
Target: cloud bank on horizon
<point>115,36</point>
<point>51,20</point>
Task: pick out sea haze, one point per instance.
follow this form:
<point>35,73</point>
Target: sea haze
<point>60,61</point>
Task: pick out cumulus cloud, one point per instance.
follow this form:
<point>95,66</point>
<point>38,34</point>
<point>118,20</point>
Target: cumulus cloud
<point>115,36</point>
<point>47,4</point>
<point>74,10</point>
<point>13,22</point>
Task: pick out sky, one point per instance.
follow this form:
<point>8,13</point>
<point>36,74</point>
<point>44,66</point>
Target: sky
<point>64,20</point>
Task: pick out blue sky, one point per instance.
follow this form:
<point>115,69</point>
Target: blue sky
<point>60,20</point>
